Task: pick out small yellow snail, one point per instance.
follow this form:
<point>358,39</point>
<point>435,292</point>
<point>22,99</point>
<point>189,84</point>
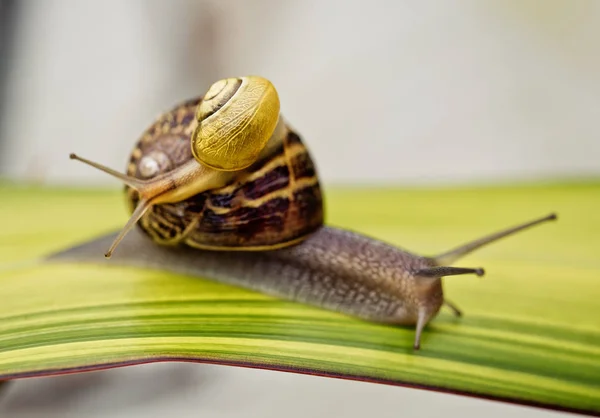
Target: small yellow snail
<point>247,182</point>
<point>228,180</point>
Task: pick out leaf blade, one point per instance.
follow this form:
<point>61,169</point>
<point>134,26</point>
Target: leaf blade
<point>512,344</point>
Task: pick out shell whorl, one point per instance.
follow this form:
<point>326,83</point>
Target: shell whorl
<point>235,120</point>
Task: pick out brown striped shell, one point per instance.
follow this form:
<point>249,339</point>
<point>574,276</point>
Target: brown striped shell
<point>276,202</point>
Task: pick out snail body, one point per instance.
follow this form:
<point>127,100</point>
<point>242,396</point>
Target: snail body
<point>334,269</point>
<point>220,186</point>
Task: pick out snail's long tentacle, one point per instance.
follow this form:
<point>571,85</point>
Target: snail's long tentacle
<point>451,256</point>
<point>137,184</point>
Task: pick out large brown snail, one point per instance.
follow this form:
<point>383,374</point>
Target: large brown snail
<point>222,187</point>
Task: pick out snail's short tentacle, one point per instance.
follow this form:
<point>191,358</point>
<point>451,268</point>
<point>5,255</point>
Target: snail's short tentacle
<point>421,322</point>
<point>455,310</point>
<point>443,271</point>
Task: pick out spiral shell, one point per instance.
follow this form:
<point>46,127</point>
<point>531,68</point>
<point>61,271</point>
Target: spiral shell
<point>273,203</point>
<point>236,119</point>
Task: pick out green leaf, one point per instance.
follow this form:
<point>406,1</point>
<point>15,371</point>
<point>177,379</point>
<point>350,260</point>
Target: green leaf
<point>530,333</point>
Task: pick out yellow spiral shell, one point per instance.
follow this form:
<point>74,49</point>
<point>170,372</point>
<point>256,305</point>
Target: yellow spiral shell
<point>236,118</point>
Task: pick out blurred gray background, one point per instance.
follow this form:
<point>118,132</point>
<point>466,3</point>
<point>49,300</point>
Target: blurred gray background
<point>403,92</point>
<point>407,92</point>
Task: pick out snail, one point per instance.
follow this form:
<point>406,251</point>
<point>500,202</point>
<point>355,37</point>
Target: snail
<point>246,183</point>
<point>222,187</point>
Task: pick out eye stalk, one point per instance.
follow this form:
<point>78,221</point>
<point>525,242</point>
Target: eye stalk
<point>236,119</point>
